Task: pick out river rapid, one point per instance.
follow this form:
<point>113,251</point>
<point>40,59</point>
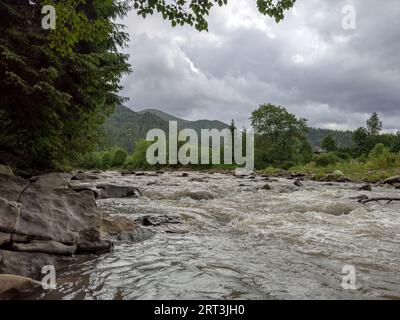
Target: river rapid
<point>239,241</point>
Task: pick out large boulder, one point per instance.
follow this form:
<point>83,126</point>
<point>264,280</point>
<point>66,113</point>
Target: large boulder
<point>50,210</point>
<point>17,287</point>
<point>44,209</point>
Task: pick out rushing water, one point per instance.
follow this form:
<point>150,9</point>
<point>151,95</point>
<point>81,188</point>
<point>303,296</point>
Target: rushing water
<point>243,242</point>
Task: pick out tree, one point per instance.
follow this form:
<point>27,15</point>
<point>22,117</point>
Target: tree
<point>395,147</point>
<point>360,138</point>
<point>194,12</point>
<point>374,125</point>
<point>232,129</point>
<point>58,86</point>
<point>55,100</point>
<point>277,134</point>
<point>119,157</point>
<point>329,144</point>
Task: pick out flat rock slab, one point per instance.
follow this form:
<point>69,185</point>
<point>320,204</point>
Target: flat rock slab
<point>51,247</point>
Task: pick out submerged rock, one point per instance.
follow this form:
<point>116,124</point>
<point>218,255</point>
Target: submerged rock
<point>365,187</point>
<point>17,287</point>
<point>114,191</point>
<point>123,229</point>
<point>298,183</point>
<point>266,187</point>
<point>84,176</point>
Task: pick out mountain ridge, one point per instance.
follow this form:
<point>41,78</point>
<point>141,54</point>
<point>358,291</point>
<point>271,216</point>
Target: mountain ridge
<point>125,126</point>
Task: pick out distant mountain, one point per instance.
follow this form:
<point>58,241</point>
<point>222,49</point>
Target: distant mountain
<point>186,124</point>
<point>126,126</point>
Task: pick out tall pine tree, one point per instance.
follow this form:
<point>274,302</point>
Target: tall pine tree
<point>58,86</point>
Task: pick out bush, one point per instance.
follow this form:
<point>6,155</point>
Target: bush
<point>119,157</point>
<point>138,159</point>
<point>90,160</point>
<point>343,155</point>
<point>106,160</point>
<point>380,157</point>
<point>327,159</point>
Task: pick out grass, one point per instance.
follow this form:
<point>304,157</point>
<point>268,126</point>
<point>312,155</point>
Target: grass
<point>353,169</point>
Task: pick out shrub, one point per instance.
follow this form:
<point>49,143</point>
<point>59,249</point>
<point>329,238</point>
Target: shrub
<point>380,157</point>
<point>343,155</point>
<point>106,160</point>
<point>119,157</point>
<point>327,159</point>
<point>138,159</point>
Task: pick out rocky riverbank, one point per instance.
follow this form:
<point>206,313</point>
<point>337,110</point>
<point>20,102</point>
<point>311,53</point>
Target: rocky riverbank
<point>45,220</point>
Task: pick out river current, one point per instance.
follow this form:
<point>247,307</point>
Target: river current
<point>239,241</point>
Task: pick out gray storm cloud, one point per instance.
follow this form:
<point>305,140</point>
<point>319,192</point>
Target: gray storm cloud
<point>333,77</point>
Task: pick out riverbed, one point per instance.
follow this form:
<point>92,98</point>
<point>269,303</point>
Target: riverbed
<point>240,241</point>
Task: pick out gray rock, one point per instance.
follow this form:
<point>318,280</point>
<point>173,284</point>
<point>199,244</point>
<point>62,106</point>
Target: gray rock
<point>84,176</point>
<point>100,246</point>
<point>28,264</point>
<point>11,187</point>
<point>6,170</point>
<point>123,229</point>
<point>17,287</point>
<point>266,187</point>
<point>392,180</point>
<point>9,214</point>
<point>298,183</point>
<point>114,191</point>
<point>365,187</point>
<point>4,238</point>
<point>51,211</point>
<point>50,247</point>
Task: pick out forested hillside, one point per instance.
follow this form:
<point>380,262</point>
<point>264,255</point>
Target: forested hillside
<point>126,126</point>
<point>343,139</point>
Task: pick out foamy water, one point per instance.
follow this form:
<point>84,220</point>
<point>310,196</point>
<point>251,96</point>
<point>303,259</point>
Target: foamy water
<point>243,242</point>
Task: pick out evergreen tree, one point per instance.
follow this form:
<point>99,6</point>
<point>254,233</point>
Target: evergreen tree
<point>374,125</point>
<point>54,101</point>
<point>329,144</point>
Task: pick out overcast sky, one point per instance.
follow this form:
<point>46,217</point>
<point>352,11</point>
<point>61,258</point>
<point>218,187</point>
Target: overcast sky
<point>308,63</point>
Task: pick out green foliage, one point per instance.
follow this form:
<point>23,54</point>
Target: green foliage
<point>106,160</point>
<point>138,159</point>
<point>58,86</point>
<point>381,157</point>
<point>329,144</point>
<point>119,157</point>
<point>343,139</point>
<point>194,13</point>
<point>374,125</point>
<point>327,159</point>
<point>278,135</point>
<point>395,147</point>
